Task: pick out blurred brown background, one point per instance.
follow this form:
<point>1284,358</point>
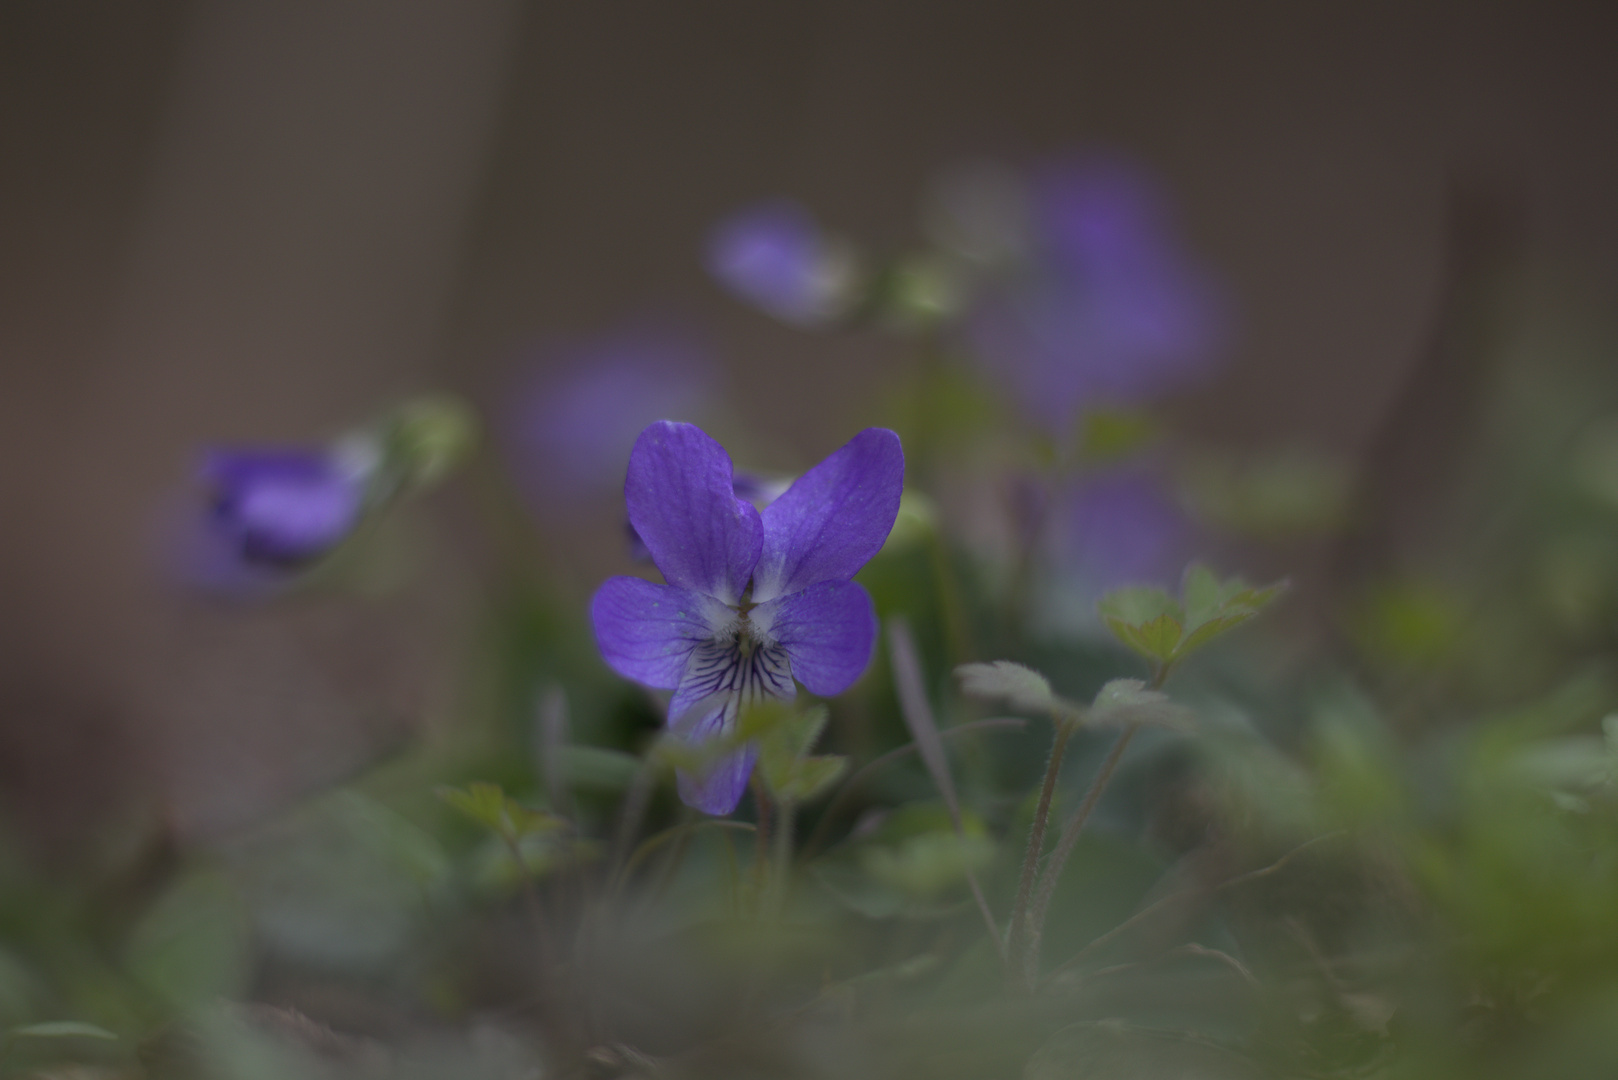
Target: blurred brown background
<point>260,220</point>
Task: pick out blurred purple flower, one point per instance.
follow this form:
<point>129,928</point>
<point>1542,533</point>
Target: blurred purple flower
<point>754,599</point>
<point>773,255</point>
<point>1106,308</point>
<point>571,429</point>
<point>270,513</point>
<point>282,507</point>
<point>1120,528</point>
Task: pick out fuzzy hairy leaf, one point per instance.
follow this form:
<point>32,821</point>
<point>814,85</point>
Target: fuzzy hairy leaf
<point>1024,688</point>
<point>1128,701</point>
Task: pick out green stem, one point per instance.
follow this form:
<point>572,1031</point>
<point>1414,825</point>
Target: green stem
<point>781,870</point>
<point>1040,907</point>
<point>1016,931</point>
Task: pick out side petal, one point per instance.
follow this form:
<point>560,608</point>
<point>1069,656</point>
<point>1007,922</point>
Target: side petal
<point>833,518</point>
<point>683,505</point>
<point>646,631</point>
<point>828,632</point>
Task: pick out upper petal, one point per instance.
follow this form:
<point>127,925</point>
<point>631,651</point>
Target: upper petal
<point>828,632</point>
<point>646,631</point>
<point>833,518</point>
<point>682,503</point>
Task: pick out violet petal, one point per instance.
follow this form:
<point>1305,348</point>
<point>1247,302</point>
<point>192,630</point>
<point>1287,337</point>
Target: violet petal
<point>683,505</point>
<point>646,631</point>
<point>828,632</point>
<point>833,518</point>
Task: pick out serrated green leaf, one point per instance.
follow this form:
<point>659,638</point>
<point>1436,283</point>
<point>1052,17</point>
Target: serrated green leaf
<point>62,1029</point>
<point>1137,604</point>
<point>1160,637</point>
<point>1022,687</point>
<point>1211,629</point>
<point>1204,596</point>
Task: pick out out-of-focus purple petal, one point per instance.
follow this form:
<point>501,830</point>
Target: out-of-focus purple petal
<point>1123,530</point>
<point>282,507</point>
<point>646,631</point>
<point>833,518</point>
<point>571,429</point>
<point>683,505</point>
<point>772,254</point>
<point>828,632</point>
<point>1110,308</point>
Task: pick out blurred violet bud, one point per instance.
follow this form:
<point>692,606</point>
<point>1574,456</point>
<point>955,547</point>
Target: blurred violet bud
<point>571,428</point>
<point>270,513</point>
<point>286,507</point>
<point>1108,309</point>
<point>774,255</point>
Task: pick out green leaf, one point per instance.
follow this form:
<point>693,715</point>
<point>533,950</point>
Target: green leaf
<point>1160,637</point>
<point>1127,701</point>
<point>1204,595</point>
<point>483,802</point>
<point>1022,687</point>
<point>810,777</point>
<point>192,945</point>
<point>597,768</point>
<point>1137,604</point>
<point>1151,622</point>
<point>62,1029</point>
<point>783,746</point>
<point>760,719</point>
<point>490,806</point>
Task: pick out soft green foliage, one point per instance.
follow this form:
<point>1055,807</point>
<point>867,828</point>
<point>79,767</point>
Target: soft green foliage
<point>491,807</point>
<point>1022,687</point>
<point>192,945</point>
<point>1166,630</point>
<point>785,736</point>
<point>429,437</point>
<point>1127,701</point>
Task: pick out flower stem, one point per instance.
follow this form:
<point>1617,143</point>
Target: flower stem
<point>1029,959</point>
<point>781,865</point>
<point>1017,929</point>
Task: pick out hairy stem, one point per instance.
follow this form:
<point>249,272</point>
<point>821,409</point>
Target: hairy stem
<point>1040,907</point>
<point>1016,931</point>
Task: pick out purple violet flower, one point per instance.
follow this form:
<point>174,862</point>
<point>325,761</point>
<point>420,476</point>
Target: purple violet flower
<point>280,509</point>
<point>1108,309</point>
<point>773,255</point>
<point>754,599</point>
